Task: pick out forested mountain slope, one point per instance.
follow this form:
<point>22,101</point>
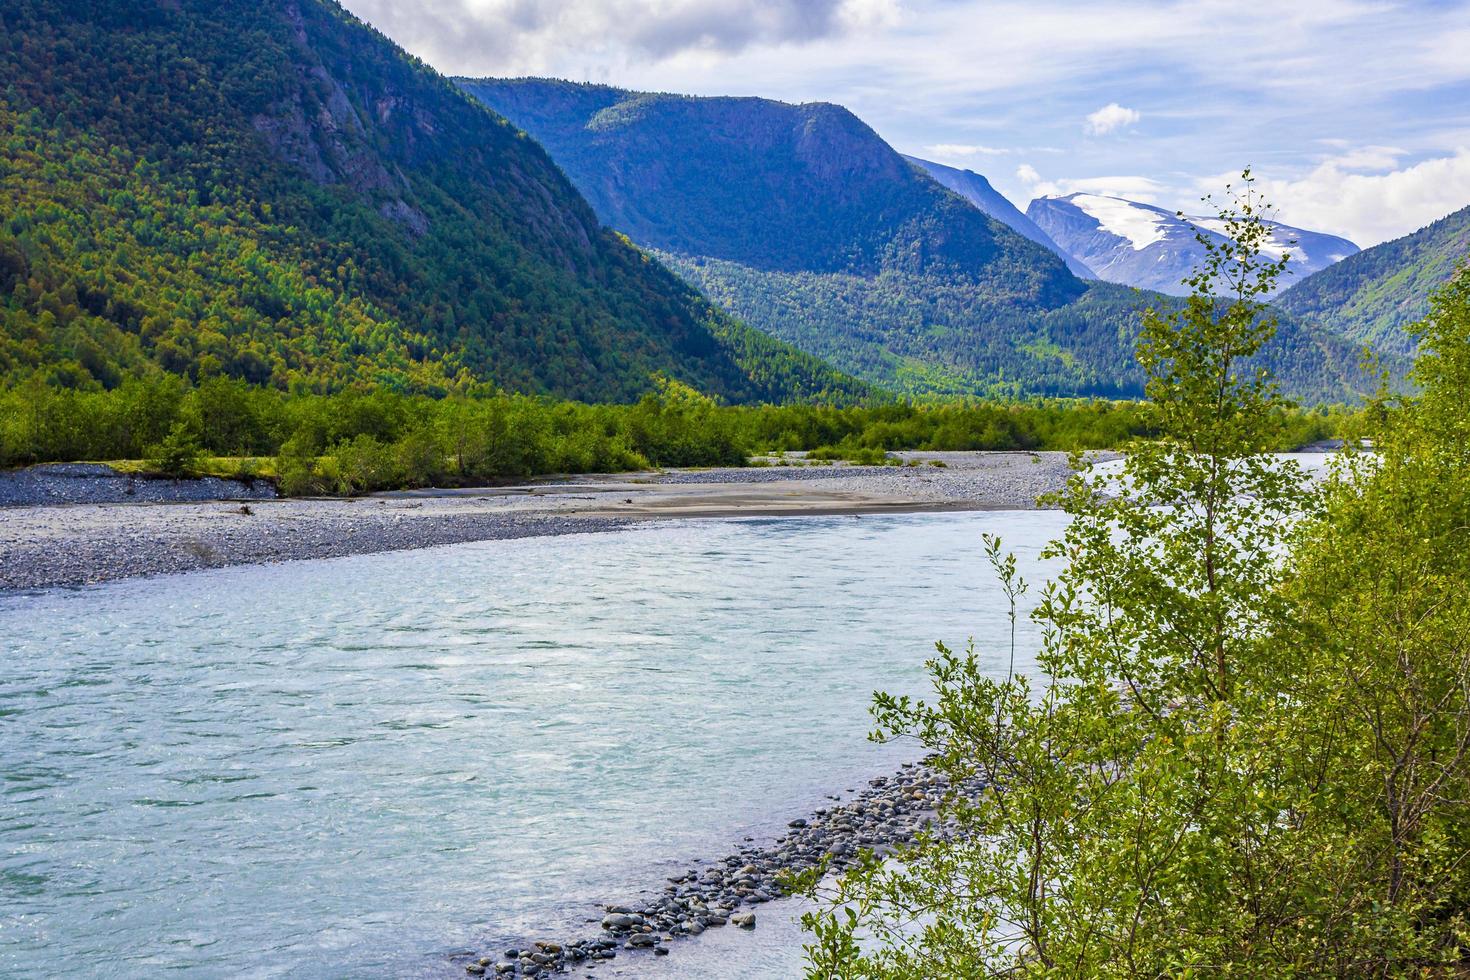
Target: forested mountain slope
<point>1372,296</point>
<point>976,189</point>
<point>270,189</point>
<point>767,184</point>
<point>802,221</point>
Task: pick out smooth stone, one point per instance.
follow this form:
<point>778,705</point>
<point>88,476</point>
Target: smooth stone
<point>621,920</point>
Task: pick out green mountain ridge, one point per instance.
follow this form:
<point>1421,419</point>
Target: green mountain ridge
<point>276,192</point>
<point>801,221</point>
<point>1373,295</point>
<point>806,188</point>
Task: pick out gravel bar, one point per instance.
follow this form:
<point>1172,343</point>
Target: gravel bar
<point>64,528</point>
<point>84,546</point>
<point>96,483</point>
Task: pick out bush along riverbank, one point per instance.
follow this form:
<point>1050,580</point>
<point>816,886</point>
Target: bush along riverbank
<point>1244,750</point>
<point>891,811</point>
<point>363,440</point>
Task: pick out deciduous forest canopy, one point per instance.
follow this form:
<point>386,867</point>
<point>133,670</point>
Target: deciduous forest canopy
<point>275,192</point>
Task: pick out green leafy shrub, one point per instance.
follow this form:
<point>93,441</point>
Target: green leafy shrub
<point>298,472</point>
<point>364,464</point>
<point>1245,750</point>
<point>179,454</point>
<point>420,460</point>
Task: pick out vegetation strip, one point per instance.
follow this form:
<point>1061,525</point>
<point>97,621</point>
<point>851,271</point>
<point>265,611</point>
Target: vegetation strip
<point>357,441</point>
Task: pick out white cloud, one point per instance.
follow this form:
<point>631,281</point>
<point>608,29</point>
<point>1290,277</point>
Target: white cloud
<point>1327,48</point>
<point>954,151</point>
<point>513,36</point>
<point>1369,158</point>
<point>1375,85</point>
<point>1110,117</point>
<point>870,13</point>
<point>1131,187</point>
<point>1445,50</point>
<point>1372,208</point>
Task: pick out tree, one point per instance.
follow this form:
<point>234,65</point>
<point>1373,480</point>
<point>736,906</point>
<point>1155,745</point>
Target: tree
<point>1183,791</point>
<point>1381,594</point>
<point>179,454</point>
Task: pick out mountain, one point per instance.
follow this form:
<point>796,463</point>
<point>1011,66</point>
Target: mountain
<point>272,190</point>
<point>1151,248</point>
<point>1372,296</point>
<point>977,190</point>
<point>767,184</point>
<point>803,222</point>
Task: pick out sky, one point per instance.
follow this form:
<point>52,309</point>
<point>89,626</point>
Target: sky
<point>1353,114</point>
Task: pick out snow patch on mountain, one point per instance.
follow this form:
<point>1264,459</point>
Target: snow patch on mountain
<point>1141,226</point>
<point>1275,246</point>
<point>1284,239</point>
<point>1146,246</point>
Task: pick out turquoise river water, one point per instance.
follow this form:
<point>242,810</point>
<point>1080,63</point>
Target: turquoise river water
<point>362,766</point>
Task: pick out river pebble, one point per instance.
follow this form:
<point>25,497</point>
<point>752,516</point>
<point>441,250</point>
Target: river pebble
<point>95,483</point>
<point>891,812</point>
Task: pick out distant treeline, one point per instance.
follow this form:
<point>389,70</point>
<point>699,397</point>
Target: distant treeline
<point>356,441</point>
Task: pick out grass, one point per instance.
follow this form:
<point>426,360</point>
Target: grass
<point>225,467</point>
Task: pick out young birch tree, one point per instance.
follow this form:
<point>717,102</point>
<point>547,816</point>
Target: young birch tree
<point>1139,820</point>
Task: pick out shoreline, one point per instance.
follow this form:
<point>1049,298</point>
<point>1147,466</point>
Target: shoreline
<point>79,544</point>
<point>726,892</point>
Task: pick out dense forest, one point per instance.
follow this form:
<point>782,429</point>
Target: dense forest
<point>932,336</point>
<point>1374,296</point>
<point>274,192</point>
<point>800,220</point>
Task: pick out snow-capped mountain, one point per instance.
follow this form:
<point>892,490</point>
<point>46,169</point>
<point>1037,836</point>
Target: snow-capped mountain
<point>976,189</point>
<point>1152,248</point>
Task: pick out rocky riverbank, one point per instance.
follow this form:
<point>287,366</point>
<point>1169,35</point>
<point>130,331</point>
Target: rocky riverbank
<point>85,546</point>
<point>51,484</point>
<point>726,892</point>
<point>82,542</point>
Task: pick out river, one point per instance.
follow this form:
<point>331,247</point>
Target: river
<point>364,766</point>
